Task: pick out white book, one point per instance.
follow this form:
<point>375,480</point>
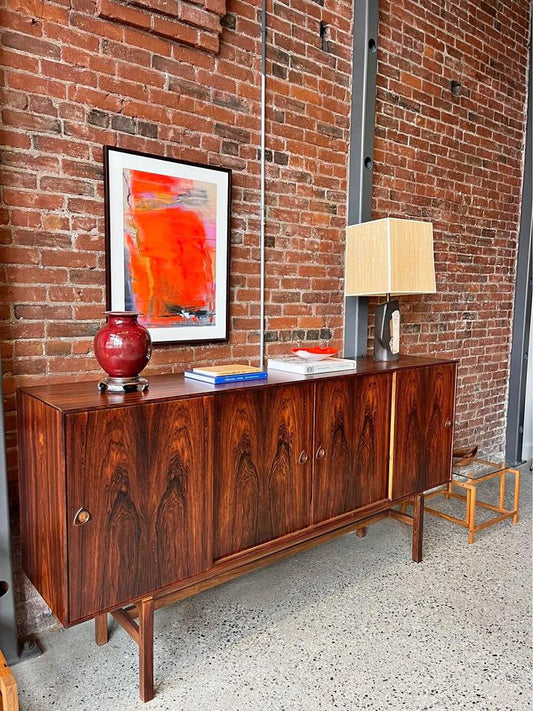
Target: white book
<point>294,364</point>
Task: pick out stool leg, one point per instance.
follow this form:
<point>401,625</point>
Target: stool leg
<point>471,511</point>
<point>516,494</point>
<point>502,490</point>
<point>8,687</point>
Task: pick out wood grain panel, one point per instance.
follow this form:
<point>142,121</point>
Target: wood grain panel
<point>287,425</point>
<point>261,490</point>
<point>42,501</point>
<point>423,430</point>
<point>140,472</point>
<point>351,444</point>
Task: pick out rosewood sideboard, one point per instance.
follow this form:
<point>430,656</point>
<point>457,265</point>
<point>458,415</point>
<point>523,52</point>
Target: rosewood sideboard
<point>131,502</point>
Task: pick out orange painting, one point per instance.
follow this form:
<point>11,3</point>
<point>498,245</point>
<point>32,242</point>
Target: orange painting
<point>170,246</point>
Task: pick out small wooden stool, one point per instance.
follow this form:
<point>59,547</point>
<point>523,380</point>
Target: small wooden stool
<point>8,687</point>
<point>468,476</point>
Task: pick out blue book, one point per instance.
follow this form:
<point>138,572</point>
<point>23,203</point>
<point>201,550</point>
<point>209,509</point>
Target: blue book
<point>221,379</point>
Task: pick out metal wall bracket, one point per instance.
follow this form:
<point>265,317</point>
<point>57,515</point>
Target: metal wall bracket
<point>361,158</point>
<point>523,291</point>
<point>8,625</point>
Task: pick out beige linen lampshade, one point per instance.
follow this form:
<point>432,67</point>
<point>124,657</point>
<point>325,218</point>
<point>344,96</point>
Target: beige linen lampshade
<point>389,256</point>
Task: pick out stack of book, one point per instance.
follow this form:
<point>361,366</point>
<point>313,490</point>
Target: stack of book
<point>295,364</point>
<point>220,374</point>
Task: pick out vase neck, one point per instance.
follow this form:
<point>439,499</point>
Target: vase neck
<point>121,316</point>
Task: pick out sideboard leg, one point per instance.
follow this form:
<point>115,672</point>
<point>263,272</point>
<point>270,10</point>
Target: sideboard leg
<point>361,532</point>
<point>146,649</point>
<point>100,629</point>
<point>418,527</point>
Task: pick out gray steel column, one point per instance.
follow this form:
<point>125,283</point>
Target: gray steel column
<point>361,159</point>
<point>522,304</point>
<point>8,625</point>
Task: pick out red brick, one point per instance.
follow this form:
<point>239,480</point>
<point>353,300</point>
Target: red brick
<point>32,199</point>
<point>161,7</point>
<point>124,14</point>
<point>60,146</point>
<point>196,16</point>
<point>30,122</point>
<point>216,6</point>
<point>96,26</point>
<point>20,62</point>
<point>46,87</point>
<point>31,45</point>
<point>140,39</point>
<point>175,30</point>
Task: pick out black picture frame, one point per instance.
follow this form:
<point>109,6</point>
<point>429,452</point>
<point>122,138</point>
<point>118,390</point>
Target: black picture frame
<point>168,244</point>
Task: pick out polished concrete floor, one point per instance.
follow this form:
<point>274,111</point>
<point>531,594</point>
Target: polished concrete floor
<point>353,624</point>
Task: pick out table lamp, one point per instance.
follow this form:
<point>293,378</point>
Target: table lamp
<point>389,256</point>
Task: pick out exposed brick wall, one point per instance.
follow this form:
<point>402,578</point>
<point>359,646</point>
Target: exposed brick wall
<point>79,75</point>
<point>308,128</point>
<point>457,161</point>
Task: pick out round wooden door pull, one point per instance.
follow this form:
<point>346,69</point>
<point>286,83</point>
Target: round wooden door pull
<point>82,516</point>
<point>320,453</point>
<point>303,457</point>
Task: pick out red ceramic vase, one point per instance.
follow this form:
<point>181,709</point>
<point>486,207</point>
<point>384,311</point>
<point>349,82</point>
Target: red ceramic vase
<point>122,346</point>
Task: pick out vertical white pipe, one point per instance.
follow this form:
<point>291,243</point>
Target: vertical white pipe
<point>262,191</point>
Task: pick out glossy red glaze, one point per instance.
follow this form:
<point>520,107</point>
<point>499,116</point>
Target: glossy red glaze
<point>316,350</point>
<point>122,346</point>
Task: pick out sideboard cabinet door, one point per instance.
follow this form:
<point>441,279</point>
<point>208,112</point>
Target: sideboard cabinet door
<point>138,483</point>
<point>262,472</point>
<point>351,444</point>
<point>423,429</point>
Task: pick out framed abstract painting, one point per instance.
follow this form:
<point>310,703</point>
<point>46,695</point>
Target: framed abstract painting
<point>167,231</point>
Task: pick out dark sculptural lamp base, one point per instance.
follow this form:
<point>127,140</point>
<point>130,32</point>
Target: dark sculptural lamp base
<point>123,385</point>
<point>387,331</point>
